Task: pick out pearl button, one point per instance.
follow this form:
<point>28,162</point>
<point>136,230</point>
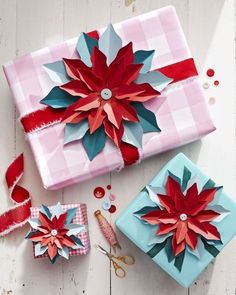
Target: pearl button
<point>183,216</point>
<point>106,93</point>
<point>106,205</point>
<point>54,232</point>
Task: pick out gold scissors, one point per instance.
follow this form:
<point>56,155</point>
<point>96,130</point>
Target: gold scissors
<point>126,259</point>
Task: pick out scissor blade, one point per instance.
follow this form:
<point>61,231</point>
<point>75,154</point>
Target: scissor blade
<point>102,250</point>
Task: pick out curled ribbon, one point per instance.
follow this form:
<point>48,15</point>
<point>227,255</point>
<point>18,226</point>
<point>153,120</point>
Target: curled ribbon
<point>18,215</point>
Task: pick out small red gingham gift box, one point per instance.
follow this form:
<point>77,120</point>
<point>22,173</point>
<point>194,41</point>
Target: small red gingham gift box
<point>62,229</point>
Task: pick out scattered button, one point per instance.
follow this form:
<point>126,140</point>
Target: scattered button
<point>106,205</point>
<point>109,187</point>
<point>106,93</point>
<point>210,72</point>
<point>206,85</point>
<point>212,100</point>
<point>112,197</point>
<point>112,209</point>
<point>216,82</point>
<point>99,192</point>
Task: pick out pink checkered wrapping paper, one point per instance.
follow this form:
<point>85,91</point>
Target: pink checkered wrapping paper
<point>182,111</point>
<point>80,218</point>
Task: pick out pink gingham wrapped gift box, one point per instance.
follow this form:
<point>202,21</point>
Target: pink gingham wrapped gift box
<point>80,218</point>
<point>182,111</point>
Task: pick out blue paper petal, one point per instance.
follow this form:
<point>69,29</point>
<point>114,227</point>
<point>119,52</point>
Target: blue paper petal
<point>64,252</point>
<point>44,209</point>
<point>84,47</point>
<point>70,215</point>
<point>94,143</point>
<point>155,79</point>
<point>38,250</point>
<point>147,118</point>
<point>58,98</point>
<point>34,223</point>
<point>57,72</point>
<point>78,242</point>
<point>75,229</point>
<point>57,210</point>
<point>133,134</point>
<point>75,132</point>
<point>110,43</point>
<point>144,57</point>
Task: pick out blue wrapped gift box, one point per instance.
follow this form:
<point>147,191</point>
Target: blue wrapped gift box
<point>140,222</point>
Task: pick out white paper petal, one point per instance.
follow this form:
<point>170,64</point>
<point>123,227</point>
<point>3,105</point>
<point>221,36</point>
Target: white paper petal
<point>110,43</point>
<point>75,131</point>
<point>57,72</point>
<point>155,79</point>
<point>133,134</point>
<point>34,222</point>
<point>153,191</point>
<point>159,239</point>
<point>75,229</point>
<point>57,210</point>
<point>84,47</point>
<point>64,252</point>
<point>218,208</point>
<point>38,250</point>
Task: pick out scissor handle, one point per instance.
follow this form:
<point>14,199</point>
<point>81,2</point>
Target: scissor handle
<point>126,259</point>
<point>119,271</point>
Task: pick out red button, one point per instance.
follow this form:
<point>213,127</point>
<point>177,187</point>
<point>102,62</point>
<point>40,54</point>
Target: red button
<point>99,192</point>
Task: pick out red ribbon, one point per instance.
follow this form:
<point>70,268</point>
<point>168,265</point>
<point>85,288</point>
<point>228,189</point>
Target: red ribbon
<point>19,214</point>
<point>48,116</point>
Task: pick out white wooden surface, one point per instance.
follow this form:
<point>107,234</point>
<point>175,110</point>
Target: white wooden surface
<point>27,25</point>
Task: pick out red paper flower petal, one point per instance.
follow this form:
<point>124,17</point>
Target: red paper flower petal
<point>165,228</point>
<point>37,236</point>
<point>153,216</point>
<point>52,251</point>
<point>115,73</point>
<point>207,195</point>
<point>72,66</point>
<point>93,83</point>
<point>45,221</point>
<point>167,203</point>
<point>172,187</point>
<point>99,64</point>
<point>95,119</point>
<point>114,133</point>
<point>125,53</point>
<point>146,95</point>
<point>168,218</point>
<point>113,113</point>
<point>191,239</point>
<point>178,248</point>
<point>131,73</point>
<point>76,88</point>
<point>92,101</point>
<point>61,221</point>
<point>207,230</point>
<point>126,91</point>
<point>207,215</point>
<point>67,241</point>
<point>181,231</point>
<point>128,112</point>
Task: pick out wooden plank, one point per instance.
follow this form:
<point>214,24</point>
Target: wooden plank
<point>90,274</point>
<point>211,24</point>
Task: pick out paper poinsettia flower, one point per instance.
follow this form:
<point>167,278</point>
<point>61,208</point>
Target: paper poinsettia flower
<point>103,92</point>
<point>183,218</point>
<point>54,233</point>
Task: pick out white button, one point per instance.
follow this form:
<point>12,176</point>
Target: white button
<point>183,216</point>
<point>54,232</point>
<point>106,93</point>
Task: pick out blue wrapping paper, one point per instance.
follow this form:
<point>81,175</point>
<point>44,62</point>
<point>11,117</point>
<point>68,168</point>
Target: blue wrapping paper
<point>139,233</point>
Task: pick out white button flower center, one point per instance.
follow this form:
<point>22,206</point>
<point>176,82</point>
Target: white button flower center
<point>183,216</point>
<point>54,232</point>
<point>106,93</point>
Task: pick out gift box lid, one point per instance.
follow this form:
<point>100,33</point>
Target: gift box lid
<point>140,233</point>
<point>61,165</point>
